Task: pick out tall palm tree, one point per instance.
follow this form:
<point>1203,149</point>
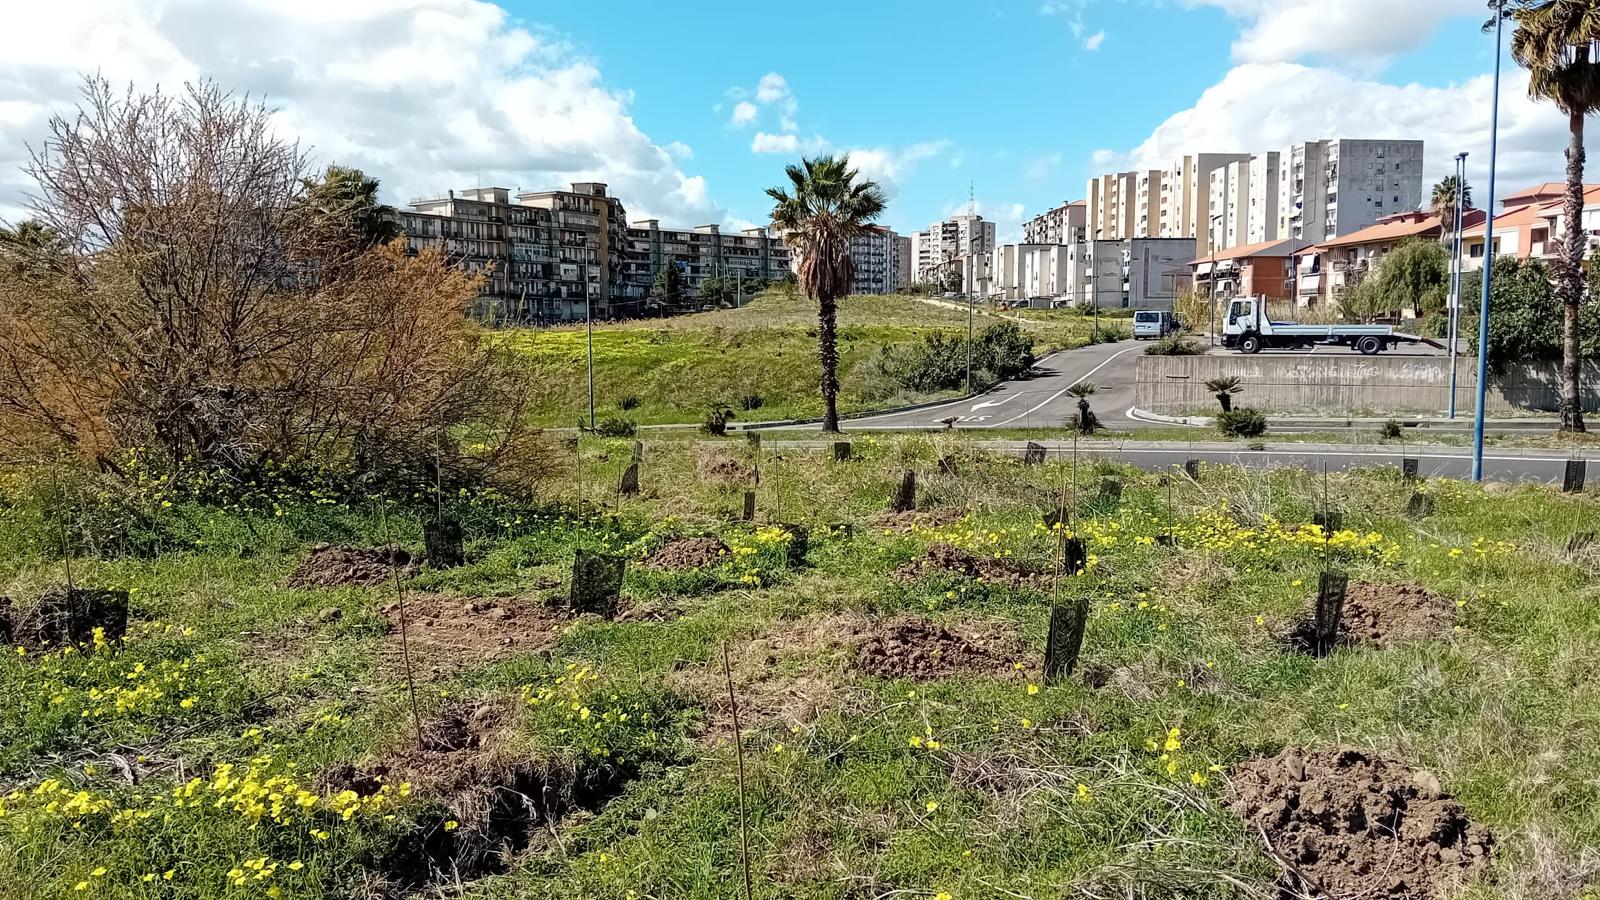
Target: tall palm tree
<point>1555,41</point>
<point>824,207</point>
<point>1447,196</point>
<point>347,199</point>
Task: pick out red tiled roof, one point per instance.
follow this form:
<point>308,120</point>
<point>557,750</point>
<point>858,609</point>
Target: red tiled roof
<point>1281,248</point>
<point>1392,229</point>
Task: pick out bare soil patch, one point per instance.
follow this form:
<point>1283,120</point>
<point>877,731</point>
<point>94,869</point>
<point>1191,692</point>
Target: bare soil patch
<point>947,559</point>
<point>501,800</point>
<point>447,634</point>
<point>910,647</point>
<point>330,566</point>
<point>933,517</point>
<point>681,554</point>
<point>1344,822</point>
<point>722,468</point>
<point>1384,615</point>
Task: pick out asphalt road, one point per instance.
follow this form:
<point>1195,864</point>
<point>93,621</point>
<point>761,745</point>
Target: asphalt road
<point>1041,399</point>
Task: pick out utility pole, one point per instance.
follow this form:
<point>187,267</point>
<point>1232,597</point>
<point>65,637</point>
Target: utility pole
<point>1454,318</point>
<point>1488,253</point>
<point>588,324</point>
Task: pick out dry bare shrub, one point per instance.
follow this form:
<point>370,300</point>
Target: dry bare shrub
<point>191,301</point>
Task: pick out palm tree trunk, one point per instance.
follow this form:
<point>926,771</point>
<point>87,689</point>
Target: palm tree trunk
<point>1225,401</point>
<point>1569,287</point>
<point>828,350</point>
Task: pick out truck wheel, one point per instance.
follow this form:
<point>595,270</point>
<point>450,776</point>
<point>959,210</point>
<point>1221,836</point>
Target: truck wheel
<point>1369,345</point>
<point>1250,343</point>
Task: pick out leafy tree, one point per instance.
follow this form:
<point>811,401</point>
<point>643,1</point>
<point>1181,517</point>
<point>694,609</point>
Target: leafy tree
<point>1225,387</point>
<point>1363,302</point>
<point>667,287</point>
<point>1523,315</point>
<point>1003,351</point>
<point>345,200</point>
<point>824,207</point>
<point>717,289</point>
<point>1554,40</point>
<point>1447,196</point>
<point>1415,274</point>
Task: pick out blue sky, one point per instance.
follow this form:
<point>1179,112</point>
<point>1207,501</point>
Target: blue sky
<point>1021,100</point>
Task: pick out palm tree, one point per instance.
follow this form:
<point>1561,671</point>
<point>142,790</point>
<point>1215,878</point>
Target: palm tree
<point>1086,421</point>
<point>347,199</point>
<point>1225,387</point>
<point>1447,196</point>
<point>1555,42</point>
<point>827,207</point>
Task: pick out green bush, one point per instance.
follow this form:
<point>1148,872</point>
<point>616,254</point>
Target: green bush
<point>1390,429</point>
<point>616,426</point>
<point>717,419</point>
<point>1105,335</point>
<point>1003,351</point>
<point>1243,422</point>
<point>1174,345</point>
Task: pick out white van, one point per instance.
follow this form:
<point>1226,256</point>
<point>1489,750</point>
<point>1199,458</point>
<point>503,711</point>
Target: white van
<point>1153,324</point>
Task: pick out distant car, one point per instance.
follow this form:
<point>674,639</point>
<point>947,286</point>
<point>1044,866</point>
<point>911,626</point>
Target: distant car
<point>950,295</point>
<point>1153,324</point>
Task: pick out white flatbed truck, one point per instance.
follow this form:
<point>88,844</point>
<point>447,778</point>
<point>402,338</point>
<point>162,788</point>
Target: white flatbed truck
<point>1249,329</point>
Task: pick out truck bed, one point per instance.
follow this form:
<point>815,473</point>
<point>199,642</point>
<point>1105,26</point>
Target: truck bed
<point>1288,329</point>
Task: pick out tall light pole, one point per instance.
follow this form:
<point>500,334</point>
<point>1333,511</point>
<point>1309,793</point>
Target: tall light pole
<point>588,325</point>
<point>1488,253</point>
<point>1454,326</point>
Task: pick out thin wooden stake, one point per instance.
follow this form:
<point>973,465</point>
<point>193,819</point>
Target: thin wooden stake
<point>405,644</point>
<point>738,754</point>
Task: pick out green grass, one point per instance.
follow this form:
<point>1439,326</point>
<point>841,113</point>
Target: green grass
<point>678,367</point>
<point>854,785</point>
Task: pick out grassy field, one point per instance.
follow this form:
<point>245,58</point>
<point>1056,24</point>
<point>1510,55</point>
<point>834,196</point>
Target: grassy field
<point>676,368</point>
<point>254,736</point>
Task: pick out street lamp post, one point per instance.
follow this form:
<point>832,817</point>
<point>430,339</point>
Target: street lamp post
<point>1488,253</point>
<point>1454,326</point>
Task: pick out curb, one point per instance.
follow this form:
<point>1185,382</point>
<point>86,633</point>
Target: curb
<point>1419,423</point>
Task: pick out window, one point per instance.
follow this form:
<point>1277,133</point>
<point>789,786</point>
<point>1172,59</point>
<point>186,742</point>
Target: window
<point>1475,251</point>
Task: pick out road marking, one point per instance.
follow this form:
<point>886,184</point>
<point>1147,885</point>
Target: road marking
<point>987,404</point>
<point>1057,395</point>
<point>868,420</point>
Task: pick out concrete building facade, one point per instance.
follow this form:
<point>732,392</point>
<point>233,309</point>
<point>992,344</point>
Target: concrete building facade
<point>703,252</point>
<point>876,257</point>
<point>1263,213</point>
<point>1066,224</point>
<point>1334,187</point>
<point>944,243</point>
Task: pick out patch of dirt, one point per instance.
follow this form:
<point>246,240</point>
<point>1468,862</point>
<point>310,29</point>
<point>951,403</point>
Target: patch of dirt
<point>681,554</point>
<point>447,634</point>
<point>1345,822</point>
<point>330,566</point>
<point>946,559</point>
<point>722,468</point>
<point>1383,615</point>
<point>909,647</point>
<point>64,616</point>
<point>500,800</point>
<point>933,517</point>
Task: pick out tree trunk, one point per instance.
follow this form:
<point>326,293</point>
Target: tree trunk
<point>1569,283</point>
<point>1225,401</point>
<point>828,350</point>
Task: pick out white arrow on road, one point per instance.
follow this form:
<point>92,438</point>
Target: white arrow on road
<point>988,403</point>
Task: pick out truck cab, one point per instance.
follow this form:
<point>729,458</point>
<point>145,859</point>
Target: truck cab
<point>1153,324</point>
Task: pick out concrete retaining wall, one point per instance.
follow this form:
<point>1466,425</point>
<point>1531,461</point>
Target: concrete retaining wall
<point>1344,384</point>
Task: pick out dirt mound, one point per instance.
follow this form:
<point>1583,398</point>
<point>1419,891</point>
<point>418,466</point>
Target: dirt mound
<point>680,554</point>
<point>330,566</point>
<point>725,469</point>
<point>934,517</point>
<point>1383,615</point>
<point>910,647</point>
<point>446,634</point>
<point>946,559</point>
<point>500,801</point>
<point>1343,822</point>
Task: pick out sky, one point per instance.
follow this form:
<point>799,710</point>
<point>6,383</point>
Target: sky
<point>690,111</point>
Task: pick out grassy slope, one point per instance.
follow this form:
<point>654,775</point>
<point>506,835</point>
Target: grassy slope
<point>842,801</point>
<point>678,367</point>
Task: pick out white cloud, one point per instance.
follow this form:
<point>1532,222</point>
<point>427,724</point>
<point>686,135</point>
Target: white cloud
<point>766,142</point>
<point>773,87</point>
<point>680,150</point>
<point>891,167</point>
<point>744,112</point>
<point>1093,41</point>
<point>1007,217</point>
<point>424,94</point>
<point>1040,167</point>
<point>1344,31</point>
<point>1259,107</point>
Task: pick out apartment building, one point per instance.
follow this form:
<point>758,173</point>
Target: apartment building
<point>549,256</point>
<point>1066,224</point>
<point>1229,205</point>
<point>1198,211</point>
<point>557,256</point>
<point>1138,273</point>
<point>1334,187</point>
<point>876,257</point>
<point>1147,205</point>
<point>704,252</point>
<point>1262,216</point>
<point>943,243</point>
<point>902,261</point>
